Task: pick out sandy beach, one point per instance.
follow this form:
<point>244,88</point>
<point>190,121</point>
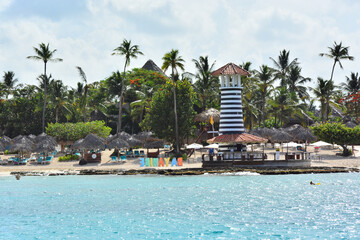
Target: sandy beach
<point>324,158</point>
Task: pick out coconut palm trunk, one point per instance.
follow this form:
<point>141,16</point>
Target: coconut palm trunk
<point>175,114</point>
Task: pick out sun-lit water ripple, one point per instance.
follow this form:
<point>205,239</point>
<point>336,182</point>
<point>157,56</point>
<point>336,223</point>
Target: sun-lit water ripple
<point>200,207</point>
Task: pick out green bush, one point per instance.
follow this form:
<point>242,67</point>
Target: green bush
<point>68,158</point>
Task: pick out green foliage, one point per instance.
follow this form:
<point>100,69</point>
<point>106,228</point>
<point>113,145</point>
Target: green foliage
<point>337,133</point>
<point>160,115</point>
<point>68,158</point>
<point>75,131</point>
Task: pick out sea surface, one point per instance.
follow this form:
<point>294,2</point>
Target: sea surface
<point>241,206</point>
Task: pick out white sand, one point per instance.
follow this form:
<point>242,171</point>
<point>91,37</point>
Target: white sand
<point>327,159</point>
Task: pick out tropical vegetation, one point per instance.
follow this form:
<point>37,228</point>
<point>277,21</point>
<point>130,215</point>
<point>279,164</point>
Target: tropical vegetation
<point>134,100</point>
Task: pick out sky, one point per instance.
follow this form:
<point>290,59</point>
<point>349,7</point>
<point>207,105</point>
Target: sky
<point>85,32</point>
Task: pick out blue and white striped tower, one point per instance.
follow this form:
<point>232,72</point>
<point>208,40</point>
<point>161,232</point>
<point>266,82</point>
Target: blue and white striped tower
<point>231,114</point>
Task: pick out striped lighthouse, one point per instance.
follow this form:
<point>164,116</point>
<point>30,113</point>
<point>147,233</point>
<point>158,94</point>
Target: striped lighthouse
<point>231,114</point>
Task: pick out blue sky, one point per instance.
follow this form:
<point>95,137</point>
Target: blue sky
<point>85,32</point>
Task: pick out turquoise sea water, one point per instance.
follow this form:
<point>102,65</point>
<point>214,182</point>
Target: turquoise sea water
<point>199,207</point>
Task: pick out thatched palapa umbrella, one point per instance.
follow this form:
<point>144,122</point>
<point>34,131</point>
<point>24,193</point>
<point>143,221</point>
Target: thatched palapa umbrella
<point>154,144</point>
<point>23,144</point>
<point>265,132</point>
<point>281,137</point>
<point>206,115</point>
<point>44,137</point>
<point>350,124</point>
<point>44,146</point>
<point>91,141</point>
<point>6,141</point>
<point>76,144</point>
<point>294,129</point>
<point>133,142</point>
<point>305,136</point>
<point>143,136</point>
<point>2,147</point>
<point>118,143</point>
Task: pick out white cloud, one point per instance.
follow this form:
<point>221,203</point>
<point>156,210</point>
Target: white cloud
<point>226,31</point>
<point>4,4</point>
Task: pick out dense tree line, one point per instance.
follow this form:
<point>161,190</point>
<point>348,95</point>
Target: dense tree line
<point>138,99</point>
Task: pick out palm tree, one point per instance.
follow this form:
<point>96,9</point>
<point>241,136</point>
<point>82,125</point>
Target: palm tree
<point>86,88</point>
<point>173,60</point>
<point>295,80</point>
<point>352,84</point>
<point>44,81</point>
<point>57,91</point>
<point>265,77</point>
<point>43,53</point>
<point>9,82</point>
<point>323,91</point>
<point>125,49</point>
<point>206,85</point>
<point>283,66</point>
<point>338,53</point>
<point>284,105</point>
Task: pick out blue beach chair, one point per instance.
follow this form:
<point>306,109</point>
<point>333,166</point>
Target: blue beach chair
<point>123,158</point>
<point>136,153</point>
<point>114,159</point>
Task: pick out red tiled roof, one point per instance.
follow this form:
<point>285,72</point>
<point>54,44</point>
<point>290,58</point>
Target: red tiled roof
<point>237,138</point>
<point>230,69</point>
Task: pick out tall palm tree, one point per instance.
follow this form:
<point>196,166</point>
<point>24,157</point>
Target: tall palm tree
<point>323,91</point>
<point>44,81</point>
<point>352,84</point>
<point>338,53</point>
<point>86,88</point>
<point>9,82</point>
<point>57,91</point>
<point>283,65</point>
<point>129,51</point>
<point>44,54</point>
<point>206,85</point>
<point>295,80</point>
<point>173,60</point>
<point>265,77</point>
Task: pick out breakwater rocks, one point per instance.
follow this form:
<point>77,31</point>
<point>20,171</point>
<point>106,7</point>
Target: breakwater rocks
<point>189,171</point>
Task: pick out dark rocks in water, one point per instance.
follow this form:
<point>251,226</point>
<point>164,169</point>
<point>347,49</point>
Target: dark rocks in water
<point>82,162</point>
<point>17,176</point>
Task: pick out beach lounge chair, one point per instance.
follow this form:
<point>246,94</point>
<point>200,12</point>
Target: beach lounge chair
<point>142,153</point>
<point>48,160</point>
<point>114,159</point>
<point>129,153</point>
<point>122,152</point>
<point>123,158</point>
<point>136,153</point>
<point>23,161</point>
<point>39,160</point>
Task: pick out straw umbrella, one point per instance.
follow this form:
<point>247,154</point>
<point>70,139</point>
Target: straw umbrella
<point>118,143</point>
<point>143,136</point>
<point>2,147</point>
<point>22,145</point>
<point>76,144</point>
<point>44,137</point>
<point>6,141</point>
<point>207,114</point>
<point>44,147</point>
<point>350,124</point>
<point>294,129</point>
<point>91,141</point>
<point>133,141</point>
<point>281,137</point>
<point>305,136</point>
<point>154,144</point>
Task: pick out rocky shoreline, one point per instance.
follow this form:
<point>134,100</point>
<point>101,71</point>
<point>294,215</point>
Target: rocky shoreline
<point>189,171</point>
